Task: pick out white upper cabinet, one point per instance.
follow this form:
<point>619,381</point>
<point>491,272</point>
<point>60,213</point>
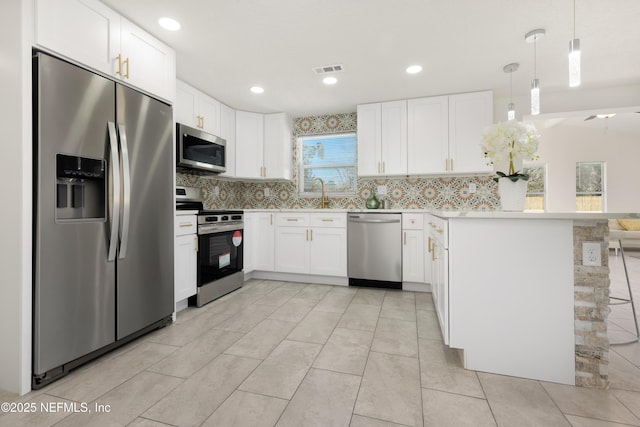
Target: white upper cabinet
<point>394,138</point>
<point>88,32</point>
<point>369,139</point>
<point>249,142</point>
<point>382,138</point>
<point>228,132</point>
<point>84,30</point>
<point>428,135</point>
<point>278,130</point>
<point>196,109</point>
<point>438,135</point>
<point>265,143</point>
<point>469,115</point>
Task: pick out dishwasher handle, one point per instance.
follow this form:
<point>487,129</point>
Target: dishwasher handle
<point>376,221</point>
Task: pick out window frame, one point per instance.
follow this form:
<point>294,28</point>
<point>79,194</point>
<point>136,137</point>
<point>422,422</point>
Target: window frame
<point>545,168</point>
<point>602,194</point>
<point>302,167</point>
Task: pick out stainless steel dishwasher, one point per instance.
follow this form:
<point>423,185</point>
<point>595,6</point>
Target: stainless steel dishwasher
<point>374,248</point>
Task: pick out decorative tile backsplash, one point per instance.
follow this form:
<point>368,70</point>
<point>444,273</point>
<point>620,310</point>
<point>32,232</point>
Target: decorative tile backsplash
<point>437,193</point>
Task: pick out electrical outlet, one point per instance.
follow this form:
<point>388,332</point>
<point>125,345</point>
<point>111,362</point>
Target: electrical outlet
<point>382,190</point>
<point>591,254</point>
<point>472,188</point>
<point>267,192</point>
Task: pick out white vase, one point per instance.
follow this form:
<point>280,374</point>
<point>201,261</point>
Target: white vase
<point>513,195</point>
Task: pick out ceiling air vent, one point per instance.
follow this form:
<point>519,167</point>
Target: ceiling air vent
<point>328,69</point>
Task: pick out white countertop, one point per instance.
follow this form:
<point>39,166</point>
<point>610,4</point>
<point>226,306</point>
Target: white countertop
<point>473,214</point>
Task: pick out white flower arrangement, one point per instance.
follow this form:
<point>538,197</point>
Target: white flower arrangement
<point>511,141</point>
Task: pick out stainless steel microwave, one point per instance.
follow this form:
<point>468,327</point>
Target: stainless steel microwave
<point>200,150</point>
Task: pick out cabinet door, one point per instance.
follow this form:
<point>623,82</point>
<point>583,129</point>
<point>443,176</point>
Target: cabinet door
<point>147,63</point>
<point>393,138</point>
<point>228,132</point>
<point>441,299</point>
<point>210,114</point>
<point>249,142</point>
<point>469,115</point>
<point>277,146</point>
<point>292,249</point>
<point>428,135</point>
<point>369,150</point>
<point>263,242</point>
<point>328,251</point>
<point>83,30</point>
<point>186,106</point>
<point>413,256</point>
<point>186,260</point>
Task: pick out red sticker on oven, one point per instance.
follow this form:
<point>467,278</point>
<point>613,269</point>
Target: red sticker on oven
<point>236,238</point>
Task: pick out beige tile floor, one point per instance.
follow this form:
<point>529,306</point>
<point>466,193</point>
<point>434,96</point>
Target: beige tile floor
<point>293,354</point>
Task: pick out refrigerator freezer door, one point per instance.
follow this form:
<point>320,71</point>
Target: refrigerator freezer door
<point>145,273</point>
<point>74,284</point>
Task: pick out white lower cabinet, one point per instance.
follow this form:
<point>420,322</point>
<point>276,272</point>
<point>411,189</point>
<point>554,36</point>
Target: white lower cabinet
<point>259,245</point>
<point>310,243</point>
<point>186,257</point>
<point>412,248</point>
<point>439,252</point>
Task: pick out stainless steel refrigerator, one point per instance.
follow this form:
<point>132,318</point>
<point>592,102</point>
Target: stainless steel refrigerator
<point>103,216</point>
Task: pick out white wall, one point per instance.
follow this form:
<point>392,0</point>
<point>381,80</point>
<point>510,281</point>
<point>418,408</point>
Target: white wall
<point>562,146</point>
<point>15,215</point>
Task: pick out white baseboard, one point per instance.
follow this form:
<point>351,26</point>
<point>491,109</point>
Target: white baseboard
<point>416,287</point>
<point>294,277</point>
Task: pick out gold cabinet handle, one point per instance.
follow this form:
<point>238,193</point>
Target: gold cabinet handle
<point>451,161</point>
<point>433,252</point>
<point>307,235</point>
<point>196,239</point>
<point>202,122</point>
<point>119,58</point>
<point>292,219</point>
<point>327,220</point>
<point>126,74</point>
<point>439,230</point>
<point>378,167</point>
<point>429,244</point>
<point>383,168</point>
<point>405,238</point>
<point>271,219</point>
<point>311,232</point>
<point>186,224</point>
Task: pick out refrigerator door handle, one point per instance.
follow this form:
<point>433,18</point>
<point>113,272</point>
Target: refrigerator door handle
<point>126,191</point>
<point>115,174</point>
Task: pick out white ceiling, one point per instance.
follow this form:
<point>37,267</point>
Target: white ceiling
<point>227,46</point>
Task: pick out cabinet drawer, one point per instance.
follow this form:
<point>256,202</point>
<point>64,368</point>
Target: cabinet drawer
<point>412,221</point>
<point>185,224</point>
<point>337,220</point>
<point>292,219</point>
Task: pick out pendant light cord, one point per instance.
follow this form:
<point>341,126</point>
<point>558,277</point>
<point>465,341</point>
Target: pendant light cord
<point>535,42</point>
<point>574,19</point>
<point>511,87</point>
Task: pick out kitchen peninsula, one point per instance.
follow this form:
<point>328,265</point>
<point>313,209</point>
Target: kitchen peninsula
<point>518,300</point>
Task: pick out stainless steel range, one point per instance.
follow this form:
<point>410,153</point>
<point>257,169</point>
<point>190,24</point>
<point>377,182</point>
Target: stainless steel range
<point>220,247</point>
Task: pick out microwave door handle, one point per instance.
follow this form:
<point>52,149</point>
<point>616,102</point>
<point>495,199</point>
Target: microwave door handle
<point>115,192</point>
<point>126,192</point>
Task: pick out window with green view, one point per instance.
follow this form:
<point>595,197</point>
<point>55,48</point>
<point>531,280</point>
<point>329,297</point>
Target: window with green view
<point>331,158</point>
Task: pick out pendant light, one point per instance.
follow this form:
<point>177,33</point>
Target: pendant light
<point>511,108</point>
<point>532,37</point>
<point>574,55</point>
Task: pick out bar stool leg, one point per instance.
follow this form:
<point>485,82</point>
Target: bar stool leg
<point>626,301</point>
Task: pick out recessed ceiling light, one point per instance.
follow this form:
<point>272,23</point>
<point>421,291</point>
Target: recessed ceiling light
<point>330,80</point>
<point>414,69</point>
<point>256,89</point>
<point>169,24</point>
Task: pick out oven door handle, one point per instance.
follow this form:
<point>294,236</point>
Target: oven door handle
<point>218,228</point>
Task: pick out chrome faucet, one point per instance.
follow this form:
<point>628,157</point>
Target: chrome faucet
<point>324,201</point>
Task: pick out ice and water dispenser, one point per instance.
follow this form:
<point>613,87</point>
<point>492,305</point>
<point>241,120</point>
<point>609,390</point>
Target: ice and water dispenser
<point>80,188</point>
